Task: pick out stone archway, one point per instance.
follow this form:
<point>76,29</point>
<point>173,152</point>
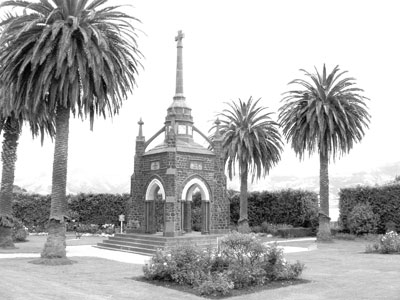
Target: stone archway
<point>186,209</point>
<point>154,206</point>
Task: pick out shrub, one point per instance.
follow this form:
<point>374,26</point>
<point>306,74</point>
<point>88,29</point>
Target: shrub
<point>274,263</point>
<point>19,231</point>
<point>362,219</point>
<point>196,219</point>
<point>384,201</point>
<point>293,271</point>
<point>256,229</point>
<point>294,232</point>
<point>242,249</point>
<point>242,261</point>
<point>216,285</point>
<point>183,264</point>
<point>191,264</point>
<point>388,243</point>
<point>345,236</point>
<point>273,228</point>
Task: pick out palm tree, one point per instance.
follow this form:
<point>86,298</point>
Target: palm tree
<point>252,140</point>
<point>327,115</point>
<point>12,129</point>
<point>75,56</point>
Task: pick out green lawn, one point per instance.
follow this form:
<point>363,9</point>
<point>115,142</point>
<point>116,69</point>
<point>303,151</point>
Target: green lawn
<point>337,271</point>
<point>35,243</point>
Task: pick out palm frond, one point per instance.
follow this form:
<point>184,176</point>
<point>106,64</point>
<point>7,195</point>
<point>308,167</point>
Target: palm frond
<point>251,140</point>
<point>328,115</point>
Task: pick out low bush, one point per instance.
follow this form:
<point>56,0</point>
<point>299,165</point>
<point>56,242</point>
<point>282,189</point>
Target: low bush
<point>294,232</point>
<point>273,228</point>
<point>215,285</point>
<point>344,236</point>
<point>386,244</point>
<point>256,229</point>
<point>362,219</point>
<point>196,219</point>
<point>241,261</point>
<point>384,201</point>
<point>19,231</point>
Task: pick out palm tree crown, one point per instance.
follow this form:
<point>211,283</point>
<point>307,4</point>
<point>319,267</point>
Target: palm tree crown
<point>68,52</point>
<point>250,137</point>
<point>328,115</point>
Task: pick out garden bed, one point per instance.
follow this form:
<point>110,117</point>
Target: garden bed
<point>233,293</point>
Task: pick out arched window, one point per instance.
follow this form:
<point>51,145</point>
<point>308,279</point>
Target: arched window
<point>189,188</point>
<point>155,190</point>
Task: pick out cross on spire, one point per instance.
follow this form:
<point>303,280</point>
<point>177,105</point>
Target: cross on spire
<point>179,67</point>
<point>179,38</point>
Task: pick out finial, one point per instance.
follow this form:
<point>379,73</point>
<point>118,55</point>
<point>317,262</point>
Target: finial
<point>140,136</point>
<point>217,123</point>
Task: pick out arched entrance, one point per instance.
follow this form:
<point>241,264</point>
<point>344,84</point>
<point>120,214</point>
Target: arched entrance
<point>154,207</point>
<point>192,186</point>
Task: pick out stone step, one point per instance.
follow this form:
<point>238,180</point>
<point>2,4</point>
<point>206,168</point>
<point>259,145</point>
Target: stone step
<point>141,236</point>
<point>137,250</point>
<point>137,240</point>
<point>148,244</point>
<point>132,244</point>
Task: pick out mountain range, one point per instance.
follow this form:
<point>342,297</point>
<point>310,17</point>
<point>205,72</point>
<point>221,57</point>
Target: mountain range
<point>78,182</point>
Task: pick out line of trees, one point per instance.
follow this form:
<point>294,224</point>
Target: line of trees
<point>325,114</point>
<point>82,57</point>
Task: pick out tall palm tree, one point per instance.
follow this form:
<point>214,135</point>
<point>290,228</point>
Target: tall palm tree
<point>12,126</point>
<point>252,141</point>
<point>327,114</point>
<point>75,56</point>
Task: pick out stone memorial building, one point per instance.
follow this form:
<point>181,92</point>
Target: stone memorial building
<point>166,176</point>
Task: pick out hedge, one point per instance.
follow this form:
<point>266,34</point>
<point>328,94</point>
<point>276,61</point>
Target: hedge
<point>293,207</point>
<point>98,208</point>
<point>34,210</point>
<point>384,201</point>
<point>298,208</point>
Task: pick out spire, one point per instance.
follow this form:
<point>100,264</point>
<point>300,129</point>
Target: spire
<point>179,67</point>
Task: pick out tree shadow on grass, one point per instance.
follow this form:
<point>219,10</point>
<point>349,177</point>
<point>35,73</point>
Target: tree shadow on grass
<point>52,261</point>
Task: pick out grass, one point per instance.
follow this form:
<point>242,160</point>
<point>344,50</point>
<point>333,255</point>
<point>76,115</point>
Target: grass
<point>339,270</point>
<point>35,243</point>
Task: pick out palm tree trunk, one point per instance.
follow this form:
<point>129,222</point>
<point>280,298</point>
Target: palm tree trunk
<point>324,230</point>
<point>8,157</point>
<point>243,223</point>
<point>55,246</point>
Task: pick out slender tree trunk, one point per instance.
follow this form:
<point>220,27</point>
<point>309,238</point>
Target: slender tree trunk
<point>8,157</point>
<point>243,223</point>
<point>55,246</point>
<point>324,230</point>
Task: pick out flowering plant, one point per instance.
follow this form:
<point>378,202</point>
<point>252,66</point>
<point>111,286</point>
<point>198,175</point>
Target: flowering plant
<point>388,243</point>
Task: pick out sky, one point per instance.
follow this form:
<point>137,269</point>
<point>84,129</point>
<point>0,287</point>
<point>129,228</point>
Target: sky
<point>238,49</point>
